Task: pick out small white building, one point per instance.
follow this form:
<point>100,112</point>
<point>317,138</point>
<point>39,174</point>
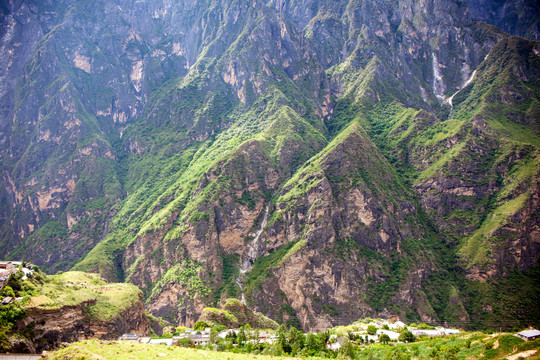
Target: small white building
<point>200,339</point>
<point>529,335</point>
<point>7,300</point>
<point>335,342</point>
<point>397,325</point>
<point>129,337</point>
<point>223,334</point>
<point>7,265</point>
<point>391,334</point>
<point>427,332</point>
<point>167,342</point>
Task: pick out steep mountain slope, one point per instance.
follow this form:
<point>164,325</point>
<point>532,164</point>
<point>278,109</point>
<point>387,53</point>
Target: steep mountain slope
<point>321,160</point>
<point>515,17</point>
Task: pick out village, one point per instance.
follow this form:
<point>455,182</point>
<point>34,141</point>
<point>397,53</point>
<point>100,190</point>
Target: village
<point>374,332</point>
<point>362,334</point>
<point>8,268</point>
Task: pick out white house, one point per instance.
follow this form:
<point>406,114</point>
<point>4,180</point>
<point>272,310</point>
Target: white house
<point>529,335</point>
<point>397,325</point>
<point>223,334</point>
<point>427,332</point>
<point>167,342</point>
<point>391,334</point>
<point>335,342</point>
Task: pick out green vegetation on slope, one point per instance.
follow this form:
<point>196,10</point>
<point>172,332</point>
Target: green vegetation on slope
<point>75,287</point>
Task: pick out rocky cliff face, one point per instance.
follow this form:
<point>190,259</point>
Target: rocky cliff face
<point>71,323</point>
<point>514,17</point>
<point>316,159</point>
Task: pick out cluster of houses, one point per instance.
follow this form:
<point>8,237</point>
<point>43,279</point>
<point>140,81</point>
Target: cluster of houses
<point>335,342</point>
<point>8,268</point>
<point>197,338</point>
<point>391,329</point>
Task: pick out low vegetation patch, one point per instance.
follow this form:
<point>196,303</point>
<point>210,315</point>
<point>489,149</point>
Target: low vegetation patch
<point>75,287</point>
<point>124,350</point>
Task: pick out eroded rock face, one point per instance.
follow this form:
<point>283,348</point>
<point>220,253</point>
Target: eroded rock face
<point>71,323</point>
<point>344,227</point>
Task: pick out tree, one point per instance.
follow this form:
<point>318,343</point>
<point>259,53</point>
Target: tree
<point>241,336</point>
<point>296,340</point>
<point>249,332</point>
<point>323,339</point>
<point>406,336</point>
<point>200,325</point>
<point>180,330</point>
<point>231,336</point>
<point>219,328</point>
<point>281,329</point>
<point>214,336</point>
<point>371,329</point>
<point>312,343</point>
<point>283,343</point>
<point>185,342</point>
<point>14,281</point>
<point>8,291</point>
<point>347,349</point>
<point>384,338</point>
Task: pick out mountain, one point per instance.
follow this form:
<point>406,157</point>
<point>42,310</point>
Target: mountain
<point>321,160</point>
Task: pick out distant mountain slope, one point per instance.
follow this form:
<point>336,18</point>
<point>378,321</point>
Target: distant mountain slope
<point>322,160</point>
<point>521,17</point>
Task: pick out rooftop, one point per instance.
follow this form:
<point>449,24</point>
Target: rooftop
<point>530,333</point>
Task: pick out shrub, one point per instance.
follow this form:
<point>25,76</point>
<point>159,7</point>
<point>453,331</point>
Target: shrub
<point>406,336</point>
<point>8,291</point>
<point>384,338</point>
<point>184,342</point>
<point>371,329</point>
<point>219,328</point>
<point>200,325</point>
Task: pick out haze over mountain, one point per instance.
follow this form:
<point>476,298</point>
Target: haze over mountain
<point>322,160</point>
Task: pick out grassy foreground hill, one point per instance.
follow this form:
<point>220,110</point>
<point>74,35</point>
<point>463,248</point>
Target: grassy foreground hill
<point>123,350</point>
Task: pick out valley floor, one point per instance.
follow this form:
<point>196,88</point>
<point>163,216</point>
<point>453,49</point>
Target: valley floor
<point>469,346</point>
<point>95,349</point>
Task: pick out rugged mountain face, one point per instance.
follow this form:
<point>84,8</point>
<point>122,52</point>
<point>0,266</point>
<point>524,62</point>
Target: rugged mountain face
<point>321,160</point>
<point>515,17</point>
<point>52,327</point>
